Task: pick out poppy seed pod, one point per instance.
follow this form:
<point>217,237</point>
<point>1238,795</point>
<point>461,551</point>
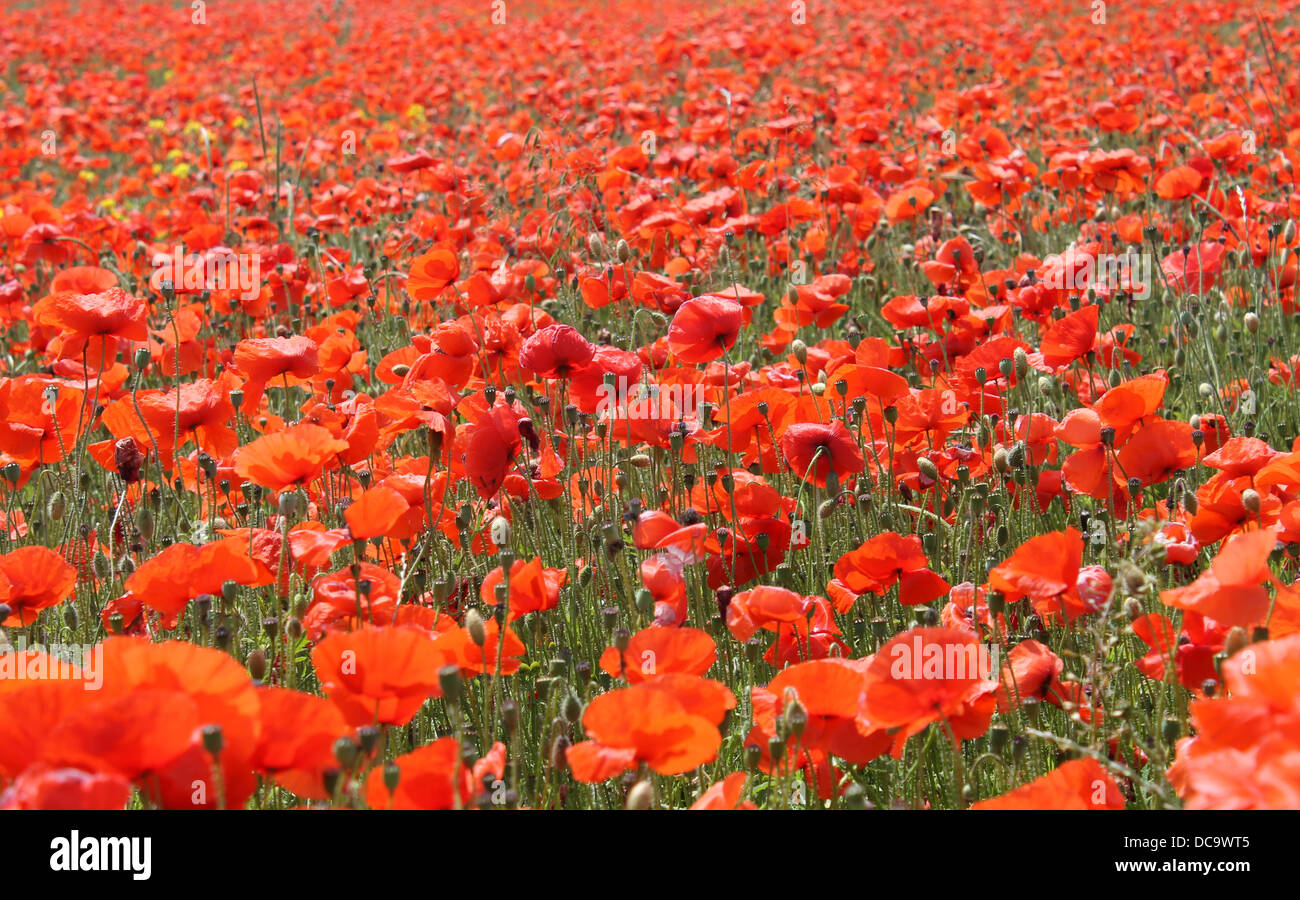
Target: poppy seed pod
<point>346,752</point>
<point>392,777</point>
<point>369,736</point>
<point>213,740</point>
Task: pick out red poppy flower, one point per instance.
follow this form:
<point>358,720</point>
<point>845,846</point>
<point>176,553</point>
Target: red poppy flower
<point>556,351</point>
<point>705,328</point>
<point>817,451</point>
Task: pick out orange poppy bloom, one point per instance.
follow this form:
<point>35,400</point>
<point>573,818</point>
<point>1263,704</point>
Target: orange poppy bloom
<point>379,674</point>
<point>288,458</point>
<point>1076,784</point>
<point>533,588</point>
<point>928,675</point>
<point>32,579</point>
<point>430,274</point>
<point>725,794</point>
<point>670,723</point>
<point>656,651</point>
<point>1233,590</point>
<point>177,574</point>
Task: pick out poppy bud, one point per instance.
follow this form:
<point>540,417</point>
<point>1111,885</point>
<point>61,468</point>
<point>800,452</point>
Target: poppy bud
<point>623,251</point>
<point>572,708</point>
<point>1251,322</point>
<point>800,351</point>
<point>1021,363</point>
<point>475,627</point>
<point>510,716</point>
<point>796,718</point>
<point>501,531</point>
<point>69,616</point>
<point>293,628</point>
<point>596,246</point>
<point>257,665</point>
<point>144,523</point>
<point>1250,501</point>
<point>1236,640</point>
<point>641,796</point>
<point>57,506</point>
<point>559,762</point>
<point>1002,460</point>
<point>1133,609</point>
<point>928,468</point>
<point>392,776</point>
<point>645,602</point>
<point>213,740</point>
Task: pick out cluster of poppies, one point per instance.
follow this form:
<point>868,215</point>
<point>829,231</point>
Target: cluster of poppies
<point>639,405</point>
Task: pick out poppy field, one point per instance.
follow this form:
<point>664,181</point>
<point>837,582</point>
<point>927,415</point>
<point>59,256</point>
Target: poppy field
<point>582,405</point>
